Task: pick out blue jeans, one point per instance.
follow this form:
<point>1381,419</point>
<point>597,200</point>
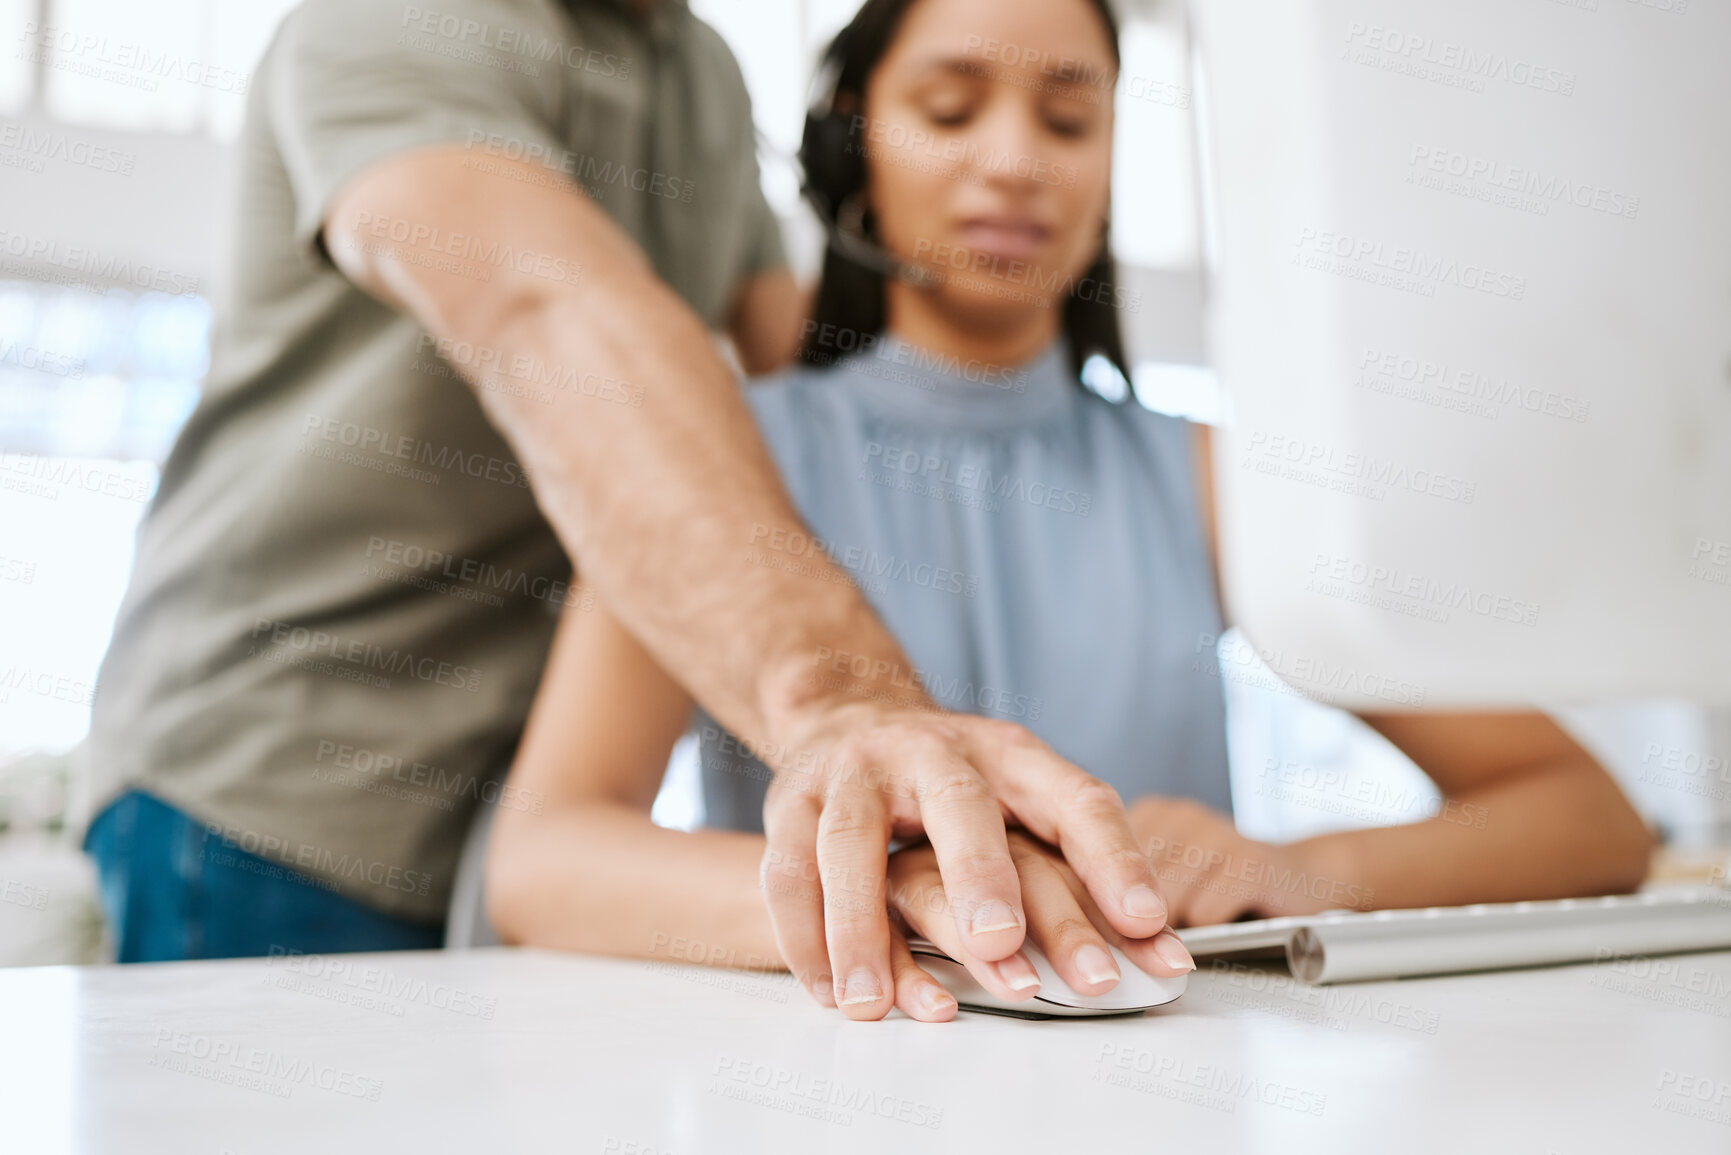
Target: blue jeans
<point>171,891</point>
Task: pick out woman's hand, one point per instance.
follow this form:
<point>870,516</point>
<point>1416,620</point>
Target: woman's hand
<point>1062,920</point>
<point>1209,873</point>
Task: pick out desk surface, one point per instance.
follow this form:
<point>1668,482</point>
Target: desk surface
<point>519,1051</point>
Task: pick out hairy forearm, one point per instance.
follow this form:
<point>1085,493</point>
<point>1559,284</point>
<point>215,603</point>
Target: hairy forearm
<point>1552,832</point>
<point>644,458</point>
<point>604,879</point>
<point>663,503</point>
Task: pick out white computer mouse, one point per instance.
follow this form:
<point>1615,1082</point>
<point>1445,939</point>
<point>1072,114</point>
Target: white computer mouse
<point>1137,990</point>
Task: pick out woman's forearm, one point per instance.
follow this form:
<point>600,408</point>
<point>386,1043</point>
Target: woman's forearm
<point>1552,832</point>
<point>603,879</point>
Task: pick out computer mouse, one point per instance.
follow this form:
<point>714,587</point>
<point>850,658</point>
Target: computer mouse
<point>1137,990</point>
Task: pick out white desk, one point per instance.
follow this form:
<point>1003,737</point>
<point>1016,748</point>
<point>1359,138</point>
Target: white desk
<point>588,1055</point>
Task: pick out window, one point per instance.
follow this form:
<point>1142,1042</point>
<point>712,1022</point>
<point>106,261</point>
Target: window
<point>167,66</point>
<point>17,74</point>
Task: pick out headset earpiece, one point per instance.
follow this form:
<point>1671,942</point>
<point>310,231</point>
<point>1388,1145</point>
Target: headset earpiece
<point>832,164</point>
<point>830,160</point>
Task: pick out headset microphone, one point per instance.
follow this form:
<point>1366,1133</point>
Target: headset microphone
<point>847,236</point>
<point>832,176</point>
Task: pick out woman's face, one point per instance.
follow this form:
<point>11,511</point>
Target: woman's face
<point>988,143</point>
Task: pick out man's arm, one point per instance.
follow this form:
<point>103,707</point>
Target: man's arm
<point>659,503</point>
<point>657,496</point>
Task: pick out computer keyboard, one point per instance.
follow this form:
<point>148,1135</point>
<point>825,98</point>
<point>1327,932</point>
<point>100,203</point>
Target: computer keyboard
<point>1353,946</point>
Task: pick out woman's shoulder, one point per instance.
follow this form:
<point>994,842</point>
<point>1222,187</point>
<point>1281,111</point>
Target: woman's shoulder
<point>792,376</point>
<point>1135,418</point>
<point>787,394</point>
<point>805,416</point>
<point>797,374</point>
<point>1141,447</point>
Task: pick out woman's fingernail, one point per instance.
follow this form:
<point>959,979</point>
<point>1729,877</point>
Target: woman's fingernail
<point>1096,965</point>
<point>862,986</point>
<point>992,916</point>
<point>936,1000</point>
<point>1172,952</point>
<point>1140,901</point>
<point>1018,973</point>
<point>823,990</point>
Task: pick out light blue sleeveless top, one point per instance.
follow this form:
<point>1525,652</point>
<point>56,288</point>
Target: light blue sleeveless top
<point>1036,549</point>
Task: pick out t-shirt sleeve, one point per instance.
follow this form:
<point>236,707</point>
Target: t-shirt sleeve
<point>355,82</point>
<point>762,250</point>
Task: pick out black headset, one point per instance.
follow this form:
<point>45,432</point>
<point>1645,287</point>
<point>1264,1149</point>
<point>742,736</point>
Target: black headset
<point>831,165</point>
<point>832,176</point>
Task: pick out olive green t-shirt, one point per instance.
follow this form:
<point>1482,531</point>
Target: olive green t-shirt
<point>345,591</point>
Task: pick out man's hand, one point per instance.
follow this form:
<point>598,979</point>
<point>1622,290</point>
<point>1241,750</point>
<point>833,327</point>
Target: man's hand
<point>1210,873</point>
<point>1063,921</point>
<point>854,775</point>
